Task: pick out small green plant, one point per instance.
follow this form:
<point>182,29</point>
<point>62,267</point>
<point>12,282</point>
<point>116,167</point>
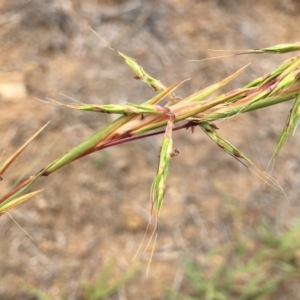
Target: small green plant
<point>104,286</point>
<point>257,266</point>
<point>40,295</point>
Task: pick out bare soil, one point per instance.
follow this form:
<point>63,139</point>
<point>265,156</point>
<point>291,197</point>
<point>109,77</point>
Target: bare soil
<point>96,210</point>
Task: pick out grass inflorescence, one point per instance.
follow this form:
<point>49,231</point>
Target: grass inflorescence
<point>199,109</point>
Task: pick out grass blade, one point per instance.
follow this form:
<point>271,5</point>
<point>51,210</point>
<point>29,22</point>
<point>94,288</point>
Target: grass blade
<point>290,125</point>
<point>10,204</point>
<point>159,182</point>
<point>13,157</point>
<point>203,94</point>
<point>125,109</point>
<point>141,74</point>
<point>280,48</point>
<point>210,130</point>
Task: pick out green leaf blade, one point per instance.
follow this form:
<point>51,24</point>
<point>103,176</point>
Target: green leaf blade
<point>290,125</point>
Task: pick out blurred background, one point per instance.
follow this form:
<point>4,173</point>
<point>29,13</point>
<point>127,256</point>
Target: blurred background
<point>92,215</point>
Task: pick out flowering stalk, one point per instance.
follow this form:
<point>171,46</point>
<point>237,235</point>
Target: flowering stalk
<point>201,109</point>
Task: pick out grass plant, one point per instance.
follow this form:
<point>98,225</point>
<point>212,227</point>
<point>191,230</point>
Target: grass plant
<point>258,265</point>
<point>200,109</point>
<point>106,285</point>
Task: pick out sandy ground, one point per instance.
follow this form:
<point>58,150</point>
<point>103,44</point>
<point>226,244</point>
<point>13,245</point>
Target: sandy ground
<point>96,210</point>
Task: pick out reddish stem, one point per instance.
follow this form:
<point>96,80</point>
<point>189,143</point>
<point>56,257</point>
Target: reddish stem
<point>16,189</point>
<point>118,141</point>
